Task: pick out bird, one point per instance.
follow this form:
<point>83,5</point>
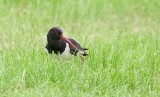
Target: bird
<point>58,43</point>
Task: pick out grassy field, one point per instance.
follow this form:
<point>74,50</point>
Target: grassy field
<point>123,37</point>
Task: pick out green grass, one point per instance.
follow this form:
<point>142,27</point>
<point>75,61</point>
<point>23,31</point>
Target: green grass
<point>123,40</point>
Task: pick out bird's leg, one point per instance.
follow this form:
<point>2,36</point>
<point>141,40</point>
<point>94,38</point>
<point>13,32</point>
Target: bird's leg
<point>81,55</point>
<point>82,58</point>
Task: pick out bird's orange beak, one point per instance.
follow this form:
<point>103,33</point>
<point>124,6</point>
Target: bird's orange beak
<point>62,37</point>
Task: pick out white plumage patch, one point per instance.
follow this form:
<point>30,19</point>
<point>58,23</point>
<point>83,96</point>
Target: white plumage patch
<point>66,52</point>
<point>46,51</point>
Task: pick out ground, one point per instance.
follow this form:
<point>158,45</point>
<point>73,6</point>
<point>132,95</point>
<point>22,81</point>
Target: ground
<point>123,37</point>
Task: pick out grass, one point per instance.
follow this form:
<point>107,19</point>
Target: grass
<point>123,38</point>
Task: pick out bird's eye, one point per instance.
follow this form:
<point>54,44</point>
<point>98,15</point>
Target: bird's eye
<point>59,33</point>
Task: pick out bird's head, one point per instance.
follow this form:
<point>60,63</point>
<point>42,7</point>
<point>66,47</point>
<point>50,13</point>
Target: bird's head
<point>57,34</point>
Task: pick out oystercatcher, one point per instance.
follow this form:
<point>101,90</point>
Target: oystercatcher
<point>59,44</point>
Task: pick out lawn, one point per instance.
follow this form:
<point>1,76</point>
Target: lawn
<point>123,38</point>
